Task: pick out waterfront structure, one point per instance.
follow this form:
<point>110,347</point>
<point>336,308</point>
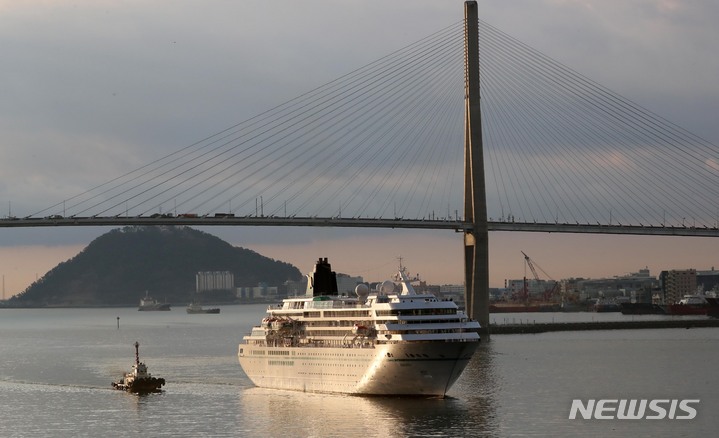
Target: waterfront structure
<point>214,280</point>
<point>637,286</point>
<point>261,291</point>
<point>292,288</point>
<point>677,283</point>
<point>451,289</point>
<point>708,280</point>
<point>535,288</point>
<point>347,284</point>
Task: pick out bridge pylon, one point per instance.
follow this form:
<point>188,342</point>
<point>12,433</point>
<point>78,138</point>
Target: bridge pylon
<point>476,236</point>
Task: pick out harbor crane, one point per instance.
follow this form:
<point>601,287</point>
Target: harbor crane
<point>550,292</point>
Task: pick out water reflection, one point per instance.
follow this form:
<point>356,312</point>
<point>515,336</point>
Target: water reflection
<point>467,411</point>
<point>479,388</point>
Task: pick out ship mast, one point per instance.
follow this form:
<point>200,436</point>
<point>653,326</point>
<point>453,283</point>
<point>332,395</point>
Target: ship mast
<point>402,276</point>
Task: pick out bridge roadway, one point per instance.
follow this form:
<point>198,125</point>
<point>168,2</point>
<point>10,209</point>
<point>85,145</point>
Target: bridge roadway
<point>435,224</point>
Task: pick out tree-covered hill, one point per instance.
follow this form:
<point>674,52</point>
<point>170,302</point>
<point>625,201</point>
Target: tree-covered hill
<point>118,267</point>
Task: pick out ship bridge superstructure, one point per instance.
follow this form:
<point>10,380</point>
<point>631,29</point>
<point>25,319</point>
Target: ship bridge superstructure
<point>366,320</point>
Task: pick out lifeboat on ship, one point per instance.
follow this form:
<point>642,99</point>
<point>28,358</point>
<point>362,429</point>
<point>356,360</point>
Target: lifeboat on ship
<point>359,329</point>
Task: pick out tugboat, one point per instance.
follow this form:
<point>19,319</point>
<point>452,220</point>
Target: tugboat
<point>139,380</point>
<point>148,303</point>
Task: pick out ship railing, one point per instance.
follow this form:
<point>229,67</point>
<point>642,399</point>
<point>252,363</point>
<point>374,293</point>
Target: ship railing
<point>338,343</point>
<point>467,336</point>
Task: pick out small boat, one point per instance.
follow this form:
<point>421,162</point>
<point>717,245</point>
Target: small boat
<point>689,305</point>
<point>139,380</point>
<point>148,304</point>
<point>196,308</point>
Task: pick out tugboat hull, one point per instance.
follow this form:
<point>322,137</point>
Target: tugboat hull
<point>140,386</point>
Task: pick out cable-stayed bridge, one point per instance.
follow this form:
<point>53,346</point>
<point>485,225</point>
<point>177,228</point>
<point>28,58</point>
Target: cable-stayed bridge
<point>385,146</point>
<point>221,219</point>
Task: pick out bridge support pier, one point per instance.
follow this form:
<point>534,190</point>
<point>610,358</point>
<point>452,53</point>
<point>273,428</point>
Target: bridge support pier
<point>476,238</point>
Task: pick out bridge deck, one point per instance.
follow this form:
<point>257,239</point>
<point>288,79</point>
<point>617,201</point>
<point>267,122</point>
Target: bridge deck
<point>436,224</point>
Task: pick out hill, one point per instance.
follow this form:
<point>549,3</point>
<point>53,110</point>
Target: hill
<point>119,266</point>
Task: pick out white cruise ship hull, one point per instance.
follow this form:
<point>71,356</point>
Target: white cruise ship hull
<point>410,368</point>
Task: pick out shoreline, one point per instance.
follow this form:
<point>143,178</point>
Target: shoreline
<point>511,329</point>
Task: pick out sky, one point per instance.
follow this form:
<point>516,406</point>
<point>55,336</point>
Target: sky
<point>93,89</point>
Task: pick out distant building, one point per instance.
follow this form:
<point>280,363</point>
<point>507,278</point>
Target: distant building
<point>677,283</point>
<point>455,292</point>
<point>214,280</point>
<point>261,291</point>
<point>636,287</point>
<point>452,289</point>
<point>423,287</point>
<point>535,288</point>
<point>571,289</point>
<point>708,280</point>
<point>295,288</point>
<point>347,284</point>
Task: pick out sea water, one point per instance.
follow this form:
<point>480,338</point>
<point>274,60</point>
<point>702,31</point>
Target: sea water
<point>56,366</point>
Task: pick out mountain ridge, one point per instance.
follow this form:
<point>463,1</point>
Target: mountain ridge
<point>122,265</point>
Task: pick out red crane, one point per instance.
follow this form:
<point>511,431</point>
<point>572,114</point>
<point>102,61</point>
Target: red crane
<point>548,293</point>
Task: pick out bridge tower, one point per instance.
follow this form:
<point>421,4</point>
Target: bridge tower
<point>476,237</point>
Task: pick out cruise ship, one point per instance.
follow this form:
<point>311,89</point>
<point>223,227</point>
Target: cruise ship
<point>390,341</point>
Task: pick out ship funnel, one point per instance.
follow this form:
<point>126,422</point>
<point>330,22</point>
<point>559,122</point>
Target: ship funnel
<point>323,279</point>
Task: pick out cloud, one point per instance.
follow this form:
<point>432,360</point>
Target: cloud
<point>94,89</point>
